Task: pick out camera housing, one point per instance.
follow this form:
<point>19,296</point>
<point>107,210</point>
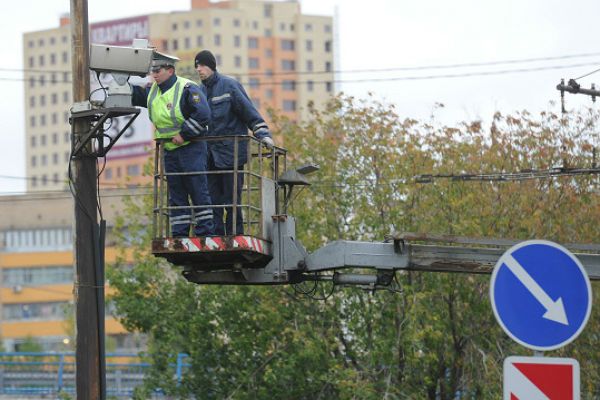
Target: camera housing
<point>120,59</point>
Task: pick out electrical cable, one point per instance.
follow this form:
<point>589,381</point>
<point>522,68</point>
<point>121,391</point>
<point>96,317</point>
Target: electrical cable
<point>398,79</point>
<point>391,69</point>
<point>588,74</point>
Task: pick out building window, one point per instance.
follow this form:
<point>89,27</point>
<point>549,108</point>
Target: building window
<point>309,45</point>
<point>53,78</point>
<point>33,161</point>
<point>269,93</point>
<point>329,87</point>
<point>309,86</point>
<point>42,80</point>
<point>41,60</point>
<point>65,57</point>
<point>254,83</point>
<point>328,46</point>
<point>175,44</point>
<point>237,41</point>
<point>41,43</point>
<point>287,44</point>
<point>38,311</point>
<point>33,141</point>
<point>31,62</point>
<point>253,63</point>
<point>218,58</point>
<point>268,33</point>
<point>289,105</point>
<point>32,101</point>
<point>255,25</point>
<point>65,77</point>
<point>199,23</point>
<point>34,181</point>
<point>65,97</point>
<point>187,43</point>
<point>288,65</point>
<point>54,98</point>
<point>67,156</point>
<point>67,137</point>
<point>42,120</point>
<point>328,66</point>
<point>55,161</point>
<point>54,119</point>
<point>288,85</point>
<point>31,82</point>
<point>199,41</point>
<point>30,44</point>
<point>42,100</point>
<point>174,27</point>
<point>52,40</point>
<point>237,61</point>
<point>43,140</point>
<point>236,23</point>
<point>64,39</point>
<point>55,177</point>
<point>308,27</point>
<point>217,21</point>
<point>44,160</point>
<point>186,24</point>
<point>66,117</point>
<point>54,136</point>
<point>217,40</point>
<point>282,26</point>
<point>328,28</point>
<point>108,174</point>
<point>309,65</point>
<point>133,170</point>
<point>252,43</point>
<point>32,121</point>
<point>268,53</point>
<point>52,59</point>
<point>268,11</point>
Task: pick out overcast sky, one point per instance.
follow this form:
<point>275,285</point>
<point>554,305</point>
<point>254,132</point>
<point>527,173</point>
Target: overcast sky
<point>380,34</point>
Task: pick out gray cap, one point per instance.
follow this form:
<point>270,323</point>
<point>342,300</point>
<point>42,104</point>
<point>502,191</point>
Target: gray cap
<point>160,60</point>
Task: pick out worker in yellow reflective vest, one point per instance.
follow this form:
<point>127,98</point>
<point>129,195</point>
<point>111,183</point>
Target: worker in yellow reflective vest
<point>179,111</point>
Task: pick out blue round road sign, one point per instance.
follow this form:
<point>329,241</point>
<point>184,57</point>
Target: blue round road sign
<point>541,295</point>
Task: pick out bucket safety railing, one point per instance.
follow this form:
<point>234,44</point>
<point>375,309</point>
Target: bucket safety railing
<point>263,164</point>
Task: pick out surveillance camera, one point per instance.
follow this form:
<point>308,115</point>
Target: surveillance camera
<point>119,59</point>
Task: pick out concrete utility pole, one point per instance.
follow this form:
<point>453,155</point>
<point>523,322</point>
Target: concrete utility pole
<point>88,314</point>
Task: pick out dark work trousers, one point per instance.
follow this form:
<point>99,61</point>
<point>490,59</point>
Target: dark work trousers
<point>220,187</point>
<point>183,188</point>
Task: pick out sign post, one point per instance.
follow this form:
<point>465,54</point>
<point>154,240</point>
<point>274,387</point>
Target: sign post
<point>542,298</point>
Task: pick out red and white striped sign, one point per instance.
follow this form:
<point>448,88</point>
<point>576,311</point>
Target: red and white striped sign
<point>541,378</point>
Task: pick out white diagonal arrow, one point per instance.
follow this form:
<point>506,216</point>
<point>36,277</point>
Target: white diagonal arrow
<point>555,310</point>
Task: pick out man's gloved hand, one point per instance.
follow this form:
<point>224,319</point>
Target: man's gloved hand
<point>268,141</point>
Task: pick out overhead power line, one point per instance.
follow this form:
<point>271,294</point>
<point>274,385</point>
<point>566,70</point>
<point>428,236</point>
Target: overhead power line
<point>371,70</point>
<point>394,79</point>
<point>510,176</point>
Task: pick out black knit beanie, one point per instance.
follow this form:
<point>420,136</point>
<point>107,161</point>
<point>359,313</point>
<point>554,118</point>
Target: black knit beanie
<point>206,58</point>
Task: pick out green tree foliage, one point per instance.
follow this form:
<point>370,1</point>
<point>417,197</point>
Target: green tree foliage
<point>437,338</point>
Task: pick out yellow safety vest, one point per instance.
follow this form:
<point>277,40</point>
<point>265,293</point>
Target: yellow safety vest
<point>165,113</point>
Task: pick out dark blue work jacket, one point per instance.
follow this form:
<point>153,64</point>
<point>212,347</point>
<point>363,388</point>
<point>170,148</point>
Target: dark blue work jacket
<point>193,106</point>
<point>232,114</point>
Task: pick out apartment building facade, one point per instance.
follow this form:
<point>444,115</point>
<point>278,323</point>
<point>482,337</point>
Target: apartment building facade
<point>284,59</point>
<point>37,272</point>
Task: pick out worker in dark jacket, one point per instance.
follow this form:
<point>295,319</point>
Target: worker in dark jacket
<point>179,110</point>
<point>232,114</point>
